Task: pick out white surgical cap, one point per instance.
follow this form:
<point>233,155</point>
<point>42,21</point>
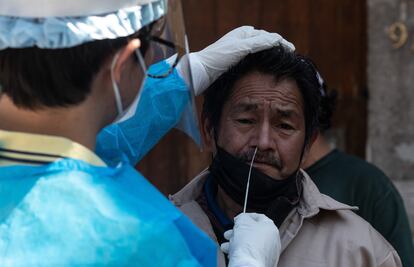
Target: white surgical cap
<point>60,25</point>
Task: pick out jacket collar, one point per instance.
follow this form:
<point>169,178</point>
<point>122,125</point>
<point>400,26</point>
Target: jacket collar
<point>191,190</point>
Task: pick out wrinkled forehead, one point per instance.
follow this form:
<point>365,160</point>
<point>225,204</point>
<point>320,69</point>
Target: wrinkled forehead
<point>257,91</point>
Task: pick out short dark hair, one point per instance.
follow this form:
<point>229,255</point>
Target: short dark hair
<point>281,64</point>
<point>35,78</point>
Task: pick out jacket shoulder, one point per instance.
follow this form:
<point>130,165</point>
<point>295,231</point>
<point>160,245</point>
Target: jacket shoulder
<point>354,236</point>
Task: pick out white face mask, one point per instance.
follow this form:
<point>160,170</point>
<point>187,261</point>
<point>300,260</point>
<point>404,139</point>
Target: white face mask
<point>128,112</point>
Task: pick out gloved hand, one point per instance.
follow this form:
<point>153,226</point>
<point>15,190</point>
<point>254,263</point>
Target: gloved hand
<point>254,241</point>
<point>208,64</point>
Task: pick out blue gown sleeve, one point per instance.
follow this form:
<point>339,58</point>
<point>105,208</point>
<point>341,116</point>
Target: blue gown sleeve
<point>70,213</point>
<point>159,109</point>
<point>200,245</point>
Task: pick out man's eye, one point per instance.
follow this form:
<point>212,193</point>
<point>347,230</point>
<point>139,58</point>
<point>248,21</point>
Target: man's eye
<point>245,121</point>
<point>286,126</point>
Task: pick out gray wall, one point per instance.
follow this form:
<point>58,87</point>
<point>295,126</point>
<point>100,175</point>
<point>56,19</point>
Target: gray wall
<point>391,95</point>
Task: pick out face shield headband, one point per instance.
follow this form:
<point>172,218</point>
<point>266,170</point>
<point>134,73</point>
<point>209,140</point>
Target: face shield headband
<point>160,40</point>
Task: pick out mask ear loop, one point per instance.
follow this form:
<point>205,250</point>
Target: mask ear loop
<point>137,98</point>
<point>115,87</point>
<point>300,162</point>
<point>141,61</point>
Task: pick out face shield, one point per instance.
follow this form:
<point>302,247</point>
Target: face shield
<point>165,40</point>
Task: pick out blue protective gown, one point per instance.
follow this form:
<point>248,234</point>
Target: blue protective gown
<point>72,213</point>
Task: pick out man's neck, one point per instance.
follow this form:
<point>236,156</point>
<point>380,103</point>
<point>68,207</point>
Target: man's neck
<point>72,123</point>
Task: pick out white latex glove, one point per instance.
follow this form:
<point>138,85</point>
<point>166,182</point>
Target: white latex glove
<point>253,242</point>
<point>208,64</point>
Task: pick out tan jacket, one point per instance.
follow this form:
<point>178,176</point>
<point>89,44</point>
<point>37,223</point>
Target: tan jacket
<point>319,232</point>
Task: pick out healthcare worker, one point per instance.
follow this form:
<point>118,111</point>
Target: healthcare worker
<point>80,104</point>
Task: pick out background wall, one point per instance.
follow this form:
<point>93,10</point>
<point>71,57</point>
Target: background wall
<point>391,90</point>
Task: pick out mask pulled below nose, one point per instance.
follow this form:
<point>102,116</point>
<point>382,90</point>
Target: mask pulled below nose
<point>265,193</point>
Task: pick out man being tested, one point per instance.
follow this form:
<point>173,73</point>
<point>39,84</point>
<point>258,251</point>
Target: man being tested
<point>265,110</point>
<point>67,70</point>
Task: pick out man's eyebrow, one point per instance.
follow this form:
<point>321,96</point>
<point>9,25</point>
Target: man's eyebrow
<point>251,106</point>
<point>286,113</point>
<point>245,107</point>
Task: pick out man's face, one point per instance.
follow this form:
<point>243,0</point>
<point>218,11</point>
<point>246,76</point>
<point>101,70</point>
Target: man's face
<point>268,115</point>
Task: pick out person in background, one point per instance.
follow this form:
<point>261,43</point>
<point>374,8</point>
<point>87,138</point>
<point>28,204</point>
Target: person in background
<point>355,182</point>
<point>80,103</point>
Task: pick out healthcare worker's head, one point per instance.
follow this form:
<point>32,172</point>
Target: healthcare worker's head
<point>64,54</point>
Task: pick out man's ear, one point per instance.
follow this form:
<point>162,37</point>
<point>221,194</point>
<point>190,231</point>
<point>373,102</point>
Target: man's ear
<point>207,133</point>
<point>120,59</point>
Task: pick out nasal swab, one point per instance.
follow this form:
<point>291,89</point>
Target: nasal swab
<point>248,181</point>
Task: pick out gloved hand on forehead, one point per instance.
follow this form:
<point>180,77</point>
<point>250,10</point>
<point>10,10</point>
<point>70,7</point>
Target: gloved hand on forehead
<point>253,242</point>
<point>208,64</point>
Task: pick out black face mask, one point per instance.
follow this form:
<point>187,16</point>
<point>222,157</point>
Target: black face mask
<point>275,198</point>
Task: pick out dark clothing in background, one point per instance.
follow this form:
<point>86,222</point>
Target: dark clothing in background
<point>355,182</point>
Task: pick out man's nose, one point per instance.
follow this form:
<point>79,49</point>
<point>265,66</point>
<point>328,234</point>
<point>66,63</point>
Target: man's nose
<point>264,137</point>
